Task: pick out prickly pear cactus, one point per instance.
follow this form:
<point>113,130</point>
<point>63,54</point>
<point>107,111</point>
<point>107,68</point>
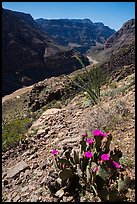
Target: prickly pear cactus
<point>88,174</point>
<point>79,171</point>
<point>98,143</point>
<point>96,166</point>
<point>66,162</point>
<point>121,185</point>
<point>65,174</point>
<point>76,157</point>
<point>83,145</point>
<point>102,173</point>
<point>84,164</point>
<point>67,154</point>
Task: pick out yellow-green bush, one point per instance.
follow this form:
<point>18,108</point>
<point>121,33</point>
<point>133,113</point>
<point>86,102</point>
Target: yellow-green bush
<point>13,131</point>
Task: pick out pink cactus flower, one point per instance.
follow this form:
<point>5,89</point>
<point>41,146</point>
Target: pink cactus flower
<point>95,169</point>
<point>105,157</point>
<point>103,134</point>
<point>97,132</point>
<point>88,154</point>
<point>89,141</point>
<point>54,152</point>
<point>115,164</point>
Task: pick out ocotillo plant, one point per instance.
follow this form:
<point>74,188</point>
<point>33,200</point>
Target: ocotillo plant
<point>93,82</point>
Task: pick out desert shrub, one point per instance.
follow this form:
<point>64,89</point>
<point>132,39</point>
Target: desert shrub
<point>93,167</point>
<point>14,131</point>
<point>115,90</point>
<point>104,117</point>
<point>113,85</point>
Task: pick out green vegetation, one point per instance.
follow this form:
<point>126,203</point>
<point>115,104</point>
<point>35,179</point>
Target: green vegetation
<point>14,131</point>
<point>115,90</point>
<point>124,49</point>
<point>90,82</point>
<point>53,104</point>
<point>113,85</point>
<point>127,162</point>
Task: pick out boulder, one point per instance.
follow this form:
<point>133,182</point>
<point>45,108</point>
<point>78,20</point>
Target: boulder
<point>15,170</point>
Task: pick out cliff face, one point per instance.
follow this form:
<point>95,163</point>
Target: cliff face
<point>77,33</point>
<point>124,36</point>
<point>28,55</point>
<point>119,50</point>
<point>121,43</point>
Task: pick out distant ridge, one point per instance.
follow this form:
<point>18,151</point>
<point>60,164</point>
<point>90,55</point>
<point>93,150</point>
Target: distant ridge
<point>76,32</point>
<point>29,55</point>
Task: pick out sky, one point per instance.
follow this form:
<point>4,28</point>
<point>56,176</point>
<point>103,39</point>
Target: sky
<point>112,14</point>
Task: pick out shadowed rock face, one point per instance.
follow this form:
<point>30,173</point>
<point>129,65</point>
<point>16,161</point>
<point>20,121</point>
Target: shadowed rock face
<point>28,55</point>
<point>120,48</point>
<point>121,43</point>
<point>124,36</point>
<point>77,33</point>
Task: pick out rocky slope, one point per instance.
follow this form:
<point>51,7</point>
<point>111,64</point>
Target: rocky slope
<point>28,55</point>
<point>124,36</point>
<point>119,43</point>
<point>76,33</point>
<point>28,168</point>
